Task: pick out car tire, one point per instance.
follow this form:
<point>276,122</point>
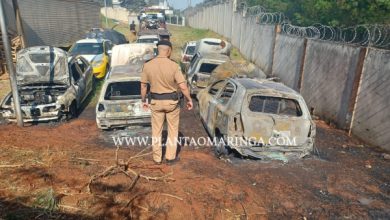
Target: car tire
<point>93,82</point>
<point>220,149</point>
<point>72,111</point>
<point>197,110</point>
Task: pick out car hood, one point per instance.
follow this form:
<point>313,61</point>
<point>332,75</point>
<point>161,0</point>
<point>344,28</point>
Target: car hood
<point>42,65</point>
<point>91,57</point>
<point>126,54</point>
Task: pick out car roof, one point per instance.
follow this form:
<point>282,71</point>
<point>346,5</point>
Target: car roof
<point>266,86</point>
<point>215,40</point>
<point>46,49</point>
<point>214,56</point>
<point>125,72</point>
<point>191,43</point>
<point>91,40</point>
<point>148,36</point>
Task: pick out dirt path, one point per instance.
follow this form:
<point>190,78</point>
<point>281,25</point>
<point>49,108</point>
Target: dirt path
<point>55,162</point>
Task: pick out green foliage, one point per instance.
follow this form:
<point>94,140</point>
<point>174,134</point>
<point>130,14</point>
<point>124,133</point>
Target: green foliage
<point>330,12</point>
<point>47,200</point>
<point>134,5</point>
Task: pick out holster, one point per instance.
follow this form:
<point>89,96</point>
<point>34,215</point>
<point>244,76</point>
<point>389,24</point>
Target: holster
<point>165,96</point>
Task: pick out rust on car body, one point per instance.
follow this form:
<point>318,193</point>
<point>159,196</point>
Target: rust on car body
<point>50,86</point>
<point>257,118</point>
<point>120,103</point>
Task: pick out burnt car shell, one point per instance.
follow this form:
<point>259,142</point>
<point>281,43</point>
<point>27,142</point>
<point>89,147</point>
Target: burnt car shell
<point>46,87</point>
<point>201,68</point>
<point>228,111</point>
<point>120,100</point>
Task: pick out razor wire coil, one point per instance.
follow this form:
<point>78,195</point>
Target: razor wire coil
<point>367,35</point>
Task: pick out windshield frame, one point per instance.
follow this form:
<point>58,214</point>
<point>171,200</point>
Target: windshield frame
<point>84,52</point>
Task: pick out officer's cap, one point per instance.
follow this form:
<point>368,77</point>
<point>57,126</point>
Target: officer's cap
<point>164,43</point>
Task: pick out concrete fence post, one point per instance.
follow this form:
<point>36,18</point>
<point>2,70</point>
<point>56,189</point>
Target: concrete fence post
<point>356,87</point>
<point>301,72</point>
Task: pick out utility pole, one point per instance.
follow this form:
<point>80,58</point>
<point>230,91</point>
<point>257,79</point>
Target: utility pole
<point>10,66</point>
<point>105,8</point>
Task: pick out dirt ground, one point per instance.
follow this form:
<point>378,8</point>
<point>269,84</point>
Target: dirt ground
<point>45,172</point>
<point>52,165</point>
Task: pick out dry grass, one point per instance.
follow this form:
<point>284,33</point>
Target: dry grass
<point>180,35</point>
<point>4,88</point>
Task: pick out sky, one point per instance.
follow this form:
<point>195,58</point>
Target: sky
<point>182,4</point>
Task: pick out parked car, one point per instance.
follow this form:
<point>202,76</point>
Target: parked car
<point>213,45</point>
<point>200,69</point>
<point>148,39</point>
<point>109,34</point>
<point>97,52</point>
<point>119,103</point>
<point>256,114</point>
<point>235,68</point>
<point>188,51</point>
<point>50,86</point>
<point>161,33</point>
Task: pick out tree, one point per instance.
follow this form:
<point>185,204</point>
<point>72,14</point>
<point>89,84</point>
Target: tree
<point>330,12</point>
<point>134,5</point>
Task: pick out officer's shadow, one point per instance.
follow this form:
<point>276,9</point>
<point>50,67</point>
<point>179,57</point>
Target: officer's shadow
<point>180,143</point>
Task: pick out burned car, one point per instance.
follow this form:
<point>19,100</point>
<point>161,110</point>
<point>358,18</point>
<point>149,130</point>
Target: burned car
<point>235,68</point>
<point>120,103</point>
<point>50,87</point>
<point>257,118</point>
<point>213,45</point>
<point>200,69</point>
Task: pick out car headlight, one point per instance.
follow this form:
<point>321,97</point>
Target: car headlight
<point>97,63</point>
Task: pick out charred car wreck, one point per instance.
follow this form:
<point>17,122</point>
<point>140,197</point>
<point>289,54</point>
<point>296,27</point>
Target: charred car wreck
<point>50,87</point>
<point>257,118</point>
<point>119,103</point>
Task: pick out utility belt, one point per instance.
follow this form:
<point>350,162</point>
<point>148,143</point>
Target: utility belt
<point>165,96</point>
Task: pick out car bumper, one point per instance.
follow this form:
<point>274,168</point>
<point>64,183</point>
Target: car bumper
<point>39,113</point>
<point>108,123</point>
<point>284,153</point>
<point>194,90</point>
<point>100,71</point>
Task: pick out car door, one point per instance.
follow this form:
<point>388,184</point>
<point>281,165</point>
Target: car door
<point>107,48</point>
<point>216,116</point>
<point>78,80</point>
<point>206,95</point>
<point>193,64</point>
<point>183,52</point>
<point>86,73</point>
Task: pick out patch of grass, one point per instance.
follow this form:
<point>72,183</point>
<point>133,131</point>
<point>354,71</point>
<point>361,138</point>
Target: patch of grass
<point>94,96</point>
<point>46,200</point>
<point>119,26</point>
<point>180,35</point>
<point>4,88</point>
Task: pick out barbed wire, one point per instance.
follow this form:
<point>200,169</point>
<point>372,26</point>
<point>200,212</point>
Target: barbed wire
<point>362,35</point>
<point>368,35</point>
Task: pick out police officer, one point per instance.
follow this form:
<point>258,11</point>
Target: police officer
<point>132,28</point>
<point>165,78</point>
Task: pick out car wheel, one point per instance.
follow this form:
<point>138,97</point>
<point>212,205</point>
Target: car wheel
<point>93,82</point>
<point>72,111</point>
<point>107,68</point>
<point>220,148</point>
<point>197,110</point>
